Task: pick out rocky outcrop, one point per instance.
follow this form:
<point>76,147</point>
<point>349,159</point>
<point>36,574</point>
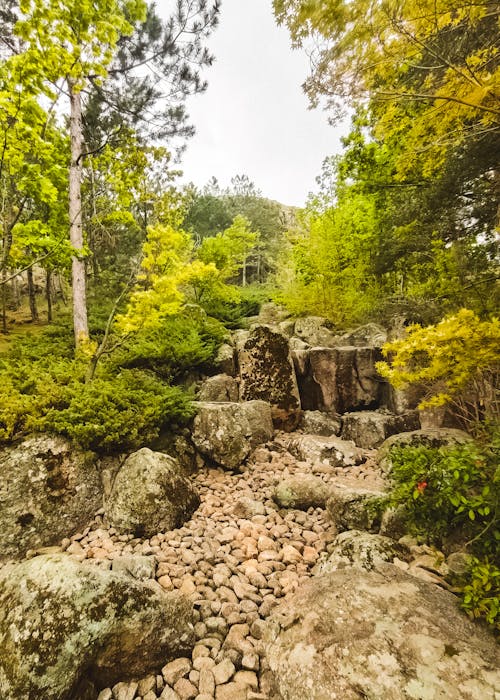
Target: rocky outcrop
<point>326,451</point>
<point>361,550</point>
<point>65,626</point>
<point>414,438</point>
<point>220,388</point>
<point>316,331</point>
<point>301,491</point>
<point>339,379</point>
<point>352,507</point>
<point>371,334</point>
<point>369,429</point>
<point>150,494</point>
<point>48,489</point>
<point>226,433</point>
<point>378,634</point>
<point>267,374</point>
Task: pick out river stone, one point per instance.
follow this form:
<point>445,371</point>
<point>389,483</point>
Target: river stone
<point>150,494</point>
<point>227,433</point>
<point>378,634</point>
<point>267,373</point>
<point>430,438</point>
<point>328,451</point>
<point>219,388</point>
<point>48,489</point>
<point>355,508</point>
<point>361,550</point>
<point>369,429</point>
<point>301,491</point>
<point>64,625</point>
<point>339,379</point>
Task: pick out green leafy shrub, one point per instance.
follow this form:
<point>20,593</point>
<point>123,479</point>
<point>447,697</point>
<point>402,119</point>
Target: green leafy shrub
<point>117,413</point>
<point>481,594</point>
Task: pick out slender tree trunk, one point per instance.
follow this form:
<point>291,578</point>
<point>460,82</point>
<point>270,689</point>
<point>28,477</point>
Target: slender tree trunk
<point>244,273</point>
<point>5,330</point>
<point>79,283</point>
<point>92,245</point>
<point>48,293</point>
<point>32,295</point>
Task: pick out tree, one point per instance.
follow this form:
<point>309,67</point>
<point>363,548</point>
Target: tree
<point>229,250</point>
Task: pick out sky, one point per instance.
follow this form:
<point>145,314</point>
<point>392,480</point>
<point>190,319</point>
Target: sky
<point>254,118</point>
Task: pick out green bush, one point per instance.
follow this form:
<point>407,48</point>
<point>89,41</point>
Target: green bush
<point>481,594</point>
<point>117,413</point>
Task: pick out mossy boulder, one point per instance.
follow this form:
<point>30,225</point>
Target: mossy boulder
<point>48,490</point>
<point>66,626</point>
<point>150,494</point>
<point>301,491</point>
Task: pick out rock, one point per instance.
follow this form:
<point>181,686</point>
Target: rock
<point>378,634</point>
<point>339,379</point>
<point>62,623</point>
<point>247,507</point>
<point>414,438</point>
<point>361,550</point>
<point>139,567</point>
<point>227,432</point>
<point>301,491</point>
<point>331,451</point>
<point>369,429</point>
<point>371,334</point>
<point>321,423</point>
<point>267,373</point>
<point>355,508</point>
<point>458,564</point>
<point>48,489</point>
<point>231,691</point>
<point>124,691</point>
<point>224,360</point>
<point>221,387</point>
<point>176,669</point>
<point>271,313</point>
<point>316,331</point>
<point>223,671</point>
<point>150,494</point>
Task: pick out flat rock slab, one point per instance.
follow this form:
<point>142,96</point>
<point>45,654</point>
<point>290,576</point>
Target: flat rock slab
<point>327,451</point>
<point>378,634</point>
<point>369,429</point>
<point>64,624</point>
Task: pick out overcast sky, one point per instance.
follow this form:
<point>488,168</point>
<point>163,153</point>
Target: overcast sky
<point>254,117</point>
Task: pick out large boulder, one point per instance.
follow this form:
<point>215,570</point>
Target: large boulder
<point>316,331</point>
<point>48,489</point>
<point>414,438</point>
<point>301,491</point>
<point>227,433</point>
<point>224,360</point>
<point>150,494</point>
<point>356,634</point>
<point>221,388</point>
<point>369,429</point>
<point>356,507</point>
<point>267,374</point>
<point>371,334</point>
<point>321,423</point>
<point>324,451</point>
<point>339,379</point>
<point>361,550</point>
<point>65,626</point>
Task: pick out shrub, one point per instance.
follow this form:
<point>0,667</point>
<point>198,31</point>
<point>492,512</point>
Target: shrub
<point>117,413</point>
<point>481,594</point>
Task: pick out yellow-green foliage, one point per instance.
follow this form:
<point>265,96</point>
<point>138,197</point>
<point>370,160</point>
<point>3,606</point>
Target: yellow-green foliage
<point>460,356</point>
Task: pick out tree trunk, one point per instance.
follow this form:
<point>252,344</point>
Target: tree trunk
<point>79,283</point>
<point>5,330</point>
<point>32,295</point>
<point>48,293</point>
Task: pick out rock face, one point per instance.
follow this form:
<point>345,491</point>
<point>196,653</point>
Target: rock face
<point>220,388</point>
<point>48,489</point>
<point>267,373</point>
<point>361,550</point>
<point>339,379</point>
<point>355,508</point>
<point>378,634</point>
<point>369,429</point>
<point>226,433</point>
<point>302,491</point>
<point>326,451</point>
<point>63,625</point>
<point>150,494</point>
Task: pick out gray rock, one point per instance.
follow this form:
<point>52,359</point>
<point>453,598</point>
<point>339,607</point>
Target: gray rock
<point>225,361</point>
<point>321,423</point>
<point>316,331</point>
<point>354,508</point>
<point>273,313</point>
<point>48,489</point>
<point>371,334</point>
<point>62,623</point>
<point>227,433</point>
<point>369,429</point>
<point>339,379</point>
<point>267,374</point>
<point>361,550</point>
<point>319,450</point>
<point>219,388</point>
<point>378,634</point>
<point>429,438</point>
<point>141,568</point>
<point>302,491</point>
<point>150,494</point>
